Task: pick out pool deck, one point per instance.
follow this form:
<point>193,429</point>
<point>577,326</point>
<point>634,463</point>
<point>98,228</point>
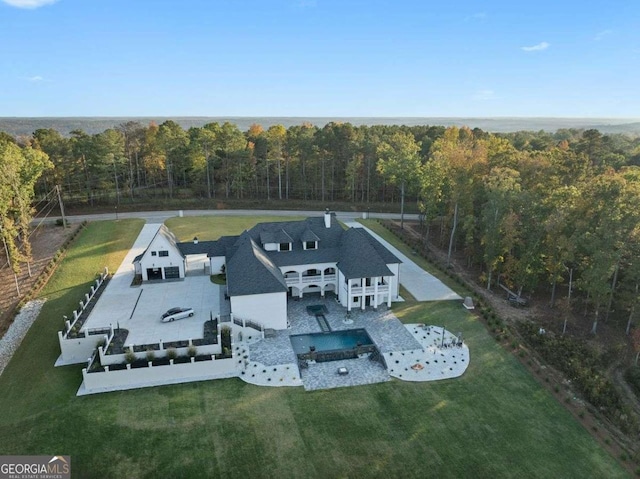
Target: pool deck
<point>273,362</point>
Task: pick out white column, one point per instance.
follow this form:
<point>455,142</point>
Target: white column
<point>389,293</point>
<point>375,292</point>
<point>348,295</point>
<point>363,283</point>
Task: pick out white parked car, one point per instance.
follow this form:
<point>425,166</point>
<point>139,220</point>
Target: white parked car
<point>176,313</point>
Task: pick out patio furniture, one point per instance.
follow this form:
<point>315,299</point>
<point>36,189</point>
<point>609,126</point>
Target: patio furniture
<point>343,371</point>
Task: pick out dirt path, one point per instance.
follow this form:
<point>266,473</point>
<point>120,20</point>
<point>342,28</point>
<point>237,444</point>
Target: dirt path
<point>45,241</point>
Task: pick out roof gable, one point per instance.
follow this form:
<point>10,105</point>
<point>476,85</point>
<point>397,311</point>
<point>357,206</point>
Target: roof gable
<point>359,258</point>
<point>250,271</point>
<point>169,238</point>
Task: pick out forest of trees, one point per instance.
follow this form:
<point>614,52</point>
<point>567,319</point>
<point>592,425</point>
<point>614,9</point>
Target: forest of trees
<point>532,209</point>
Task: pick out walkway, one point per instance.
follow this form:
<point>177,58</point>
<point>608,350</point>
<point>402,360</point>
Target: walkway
<point>422,285</point>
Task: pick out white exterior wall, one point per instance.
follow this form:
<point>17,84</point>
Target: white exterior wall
<point>77,350</point>
<point>342,290</point>
<point>158,375</point>
<point>216,263</point>
<point>394,281</point>
<point>174,259</point>
<point>268,309</point>
<point>205,349</point>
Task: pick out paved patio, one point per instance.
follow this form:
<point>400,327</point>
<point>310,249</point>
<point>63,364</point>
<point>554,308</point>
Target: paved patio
<point>386,331</point>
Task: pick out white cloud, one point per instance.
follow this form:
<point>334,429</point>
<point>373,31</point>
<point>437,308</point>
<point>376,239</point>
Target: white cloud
<point>600,35</point>
<point>34,79</point>
<point>484,95</point>
<point>536,48</point>
<point>30,4</point>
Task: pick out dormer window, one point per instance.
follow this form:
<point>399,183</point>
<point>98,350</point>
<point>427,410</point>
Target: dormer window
<point>284,247</point>
<point>311,245</point>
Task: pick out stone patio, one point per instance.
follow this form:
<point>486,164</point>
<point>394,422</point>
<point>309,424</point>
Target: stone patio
<point>271,357</point>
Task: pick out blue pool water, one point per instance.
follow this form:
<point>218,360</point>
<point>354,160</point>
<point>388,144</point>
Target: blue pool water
<point>331,341</point>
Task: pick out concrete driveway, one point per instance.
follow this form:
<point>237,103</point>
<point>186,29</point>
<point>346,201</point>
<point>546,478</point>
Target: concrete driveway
<point>138,309</point>
<point>422,285</point>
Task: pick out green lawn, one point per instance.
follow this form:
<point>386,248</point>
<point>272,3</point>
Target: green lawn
<point>212,227</point>
<point>495,421</point>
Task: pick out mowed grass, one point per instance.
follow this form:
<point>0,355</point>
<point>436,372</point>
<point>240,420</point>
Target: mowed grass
<point>495,421</point>
<point>207,228</point>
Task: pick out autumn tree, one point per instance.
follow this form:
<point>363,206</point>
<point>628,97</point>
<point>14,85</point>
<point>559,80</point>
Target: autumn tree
<point>399,162</point>
<point>20,169</point>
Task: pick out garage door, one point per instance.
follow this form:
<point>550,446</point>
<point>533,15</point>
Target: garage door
<point>154,274</point>
<point>171,272</point>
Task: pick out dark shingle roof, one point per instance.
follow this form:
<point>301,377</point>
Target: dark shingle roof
<point>201,247</point>
<point>298,231</point>
<point>387,256</point>
<point>250,271</point>
<point>308,235</point>
<point>358,258</point>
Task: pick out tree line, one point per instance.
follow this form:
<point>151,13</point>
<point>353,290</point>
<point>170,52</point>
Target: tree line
<point>531,209</point>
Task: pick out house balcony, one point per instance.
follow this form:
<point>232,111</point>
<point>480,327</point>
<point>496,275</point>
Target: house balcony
<point>357,291</point>
<point>294,280</point>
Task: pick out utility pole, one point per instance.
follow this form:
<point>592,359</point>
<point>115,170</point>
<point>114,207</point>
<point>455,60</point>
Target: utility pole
<point>64,219</point>
<point>115,177</point>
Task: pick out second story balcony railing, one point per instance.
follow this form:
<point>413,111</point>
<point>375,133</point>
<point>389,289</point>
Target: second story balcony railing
<point>357,290</point>
<point>293,280</point>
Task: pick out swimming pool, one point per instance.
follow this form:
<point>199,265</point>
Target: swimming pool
<point>330,341</point>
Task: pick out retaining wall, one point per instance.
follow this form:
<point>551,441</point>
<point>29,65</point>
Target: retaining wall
<point>98,382</point>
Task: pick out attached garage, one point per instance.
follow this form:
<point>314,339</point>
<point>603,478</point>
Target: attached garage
<point>162,260</point>
<point>171,272</point>
<point>154,274</point>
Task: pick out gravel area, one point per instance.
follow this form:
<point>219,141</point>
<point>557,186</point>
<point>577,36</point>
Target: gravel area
<point>18,330</point>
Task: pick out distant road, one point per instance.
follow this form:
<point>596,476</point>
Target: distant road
<point>161,216</point>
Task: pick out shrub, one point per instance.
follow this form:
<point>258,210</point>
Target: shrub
<point>192,351</point>
<point>151,355</point>
<point>129,356</point>
<point>172,353</point>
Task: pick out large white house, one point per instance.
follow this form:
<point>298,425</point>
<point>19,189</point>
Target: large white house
<point>273,261</point>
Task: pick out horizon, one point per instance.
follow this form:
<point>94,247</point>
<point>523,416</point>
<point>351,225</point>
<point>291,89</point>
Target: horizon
<point>382,117</point>
<point>320,58</point>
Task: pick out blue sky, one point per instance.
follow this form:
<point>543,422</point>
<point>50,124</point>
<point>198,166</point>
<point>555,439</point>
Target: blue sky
<point>558,58</point>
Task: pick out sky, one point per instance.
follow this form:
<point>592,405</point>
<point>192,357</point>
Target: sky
<point>306,58</point>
